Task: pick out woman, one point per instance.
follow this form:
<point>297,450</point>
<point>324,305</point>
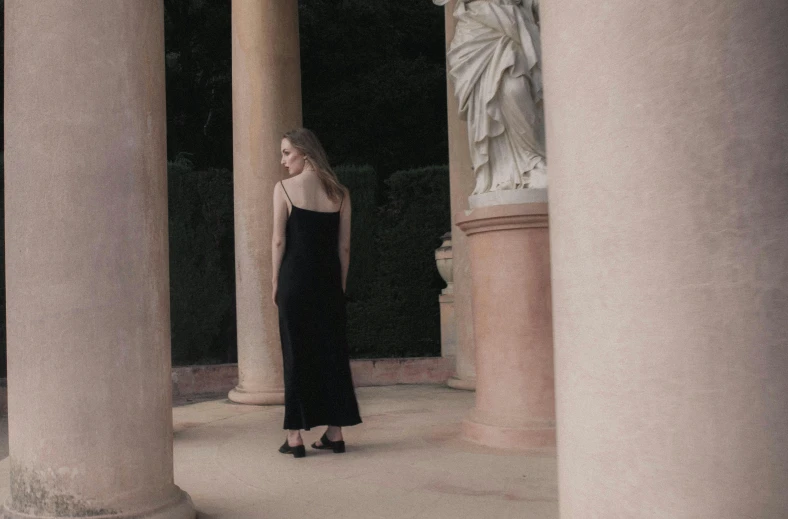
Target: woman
<point>311,254</point>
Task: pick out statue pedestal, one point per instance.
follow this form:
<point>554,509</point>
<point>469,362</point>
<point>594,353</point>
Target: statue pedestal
<point>448,326</point>
<point>512,314</point>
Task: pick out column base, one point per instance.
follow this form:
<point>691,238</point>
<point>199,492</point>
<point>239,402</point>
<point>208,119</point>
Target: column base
<point>448,326</point>
<point>245,396</point>
<point>462,383</point>
<point>510,269</point>
<point>533,437</point>
<point>181,508</point>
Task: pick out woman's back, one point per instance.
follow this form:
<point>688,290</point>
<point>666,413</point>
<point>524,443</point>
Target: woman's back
<point>310,268</point>
<point>305,191</point>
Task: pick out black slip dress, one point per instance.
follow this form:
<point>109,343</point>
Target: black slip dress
<point>312,324</point>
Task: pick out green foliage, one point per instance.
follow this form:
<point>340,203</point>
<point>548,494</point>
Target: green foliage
<point>197,44</point>
<point>374,81</point>
<point>201,264</point>
<point>397,312</point>
<point>393,283</point>
<point>372,74</point>
<point>363,186</point>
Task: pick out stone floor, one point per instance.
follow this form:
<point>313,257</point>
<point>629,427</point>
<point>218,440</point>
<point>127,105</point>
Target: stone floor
<point>404,461</point>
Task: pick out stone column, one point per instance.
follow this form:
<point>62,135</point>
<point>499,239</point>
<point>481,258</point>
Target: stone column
<point>667,131</point>
<point>266,104</point>
<point>461,186</point>
<point>90,405</point>
<point>510,261</point>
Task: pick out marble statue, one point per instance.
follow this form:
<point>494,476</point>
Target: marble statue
<point>495,62</point>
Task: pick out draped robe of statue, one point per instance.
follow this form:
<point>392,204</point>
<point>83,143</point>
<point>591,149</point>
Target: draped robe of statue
<point>495,63</point>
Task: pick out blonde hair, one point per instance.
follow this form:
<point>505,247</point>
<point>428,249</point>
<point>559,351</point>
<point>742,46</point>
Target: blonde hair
<point>306,142</point>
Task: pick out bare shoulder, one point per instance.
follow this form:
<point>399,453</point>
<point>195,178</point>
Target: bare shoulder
<point>287,182</point>
<point>281,192</point>
<point>287,185</point>
<point>345,195</point>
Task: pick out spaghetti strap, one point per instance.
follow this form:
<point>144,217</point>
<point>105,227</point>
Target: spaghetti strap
<point>285,190</point>
<point>341,202</point>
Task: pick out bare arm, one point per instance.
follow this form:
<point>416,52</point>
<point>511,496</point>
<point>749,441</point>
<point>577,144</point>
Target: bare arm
<point>344,239</point>
<point>278,236</point>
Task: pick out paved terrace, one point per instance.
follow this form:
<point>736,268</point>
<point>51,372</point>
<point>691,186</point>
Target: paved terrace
<point>405,462</point>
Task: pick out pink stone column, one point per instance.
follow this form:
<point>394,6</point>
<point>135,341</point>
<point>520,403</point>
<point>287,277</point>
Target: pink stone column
<point>266,104</point>
<point>510,263</point>
<point>90,404</point>
<point>667,134</point>
<point>461,186</point>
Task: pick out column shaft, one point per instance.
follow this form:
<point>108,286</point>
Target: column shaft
<point>510,260</point>
<point>89,383</point>
<point>266,103</point>
<point>461,186</point>
<point>667,133</point>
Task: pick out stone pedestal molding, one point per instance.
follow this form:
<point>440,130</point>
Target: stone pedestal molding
<point>266,104</point>
<point>88,307</point>
<point>461,186</point>
<point>668,153</point>
<point>510,264</point>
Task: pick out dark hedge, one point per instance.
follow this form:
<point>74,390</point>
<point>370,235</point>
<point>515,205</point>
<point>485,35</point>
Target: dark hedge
<point>394,309</point>
<point>393,284</point>
<point>202,282</point>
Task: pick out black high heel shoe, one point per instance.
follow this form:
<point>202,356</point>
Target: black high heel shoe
<point>337,446</point>
<point>298,451</point>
